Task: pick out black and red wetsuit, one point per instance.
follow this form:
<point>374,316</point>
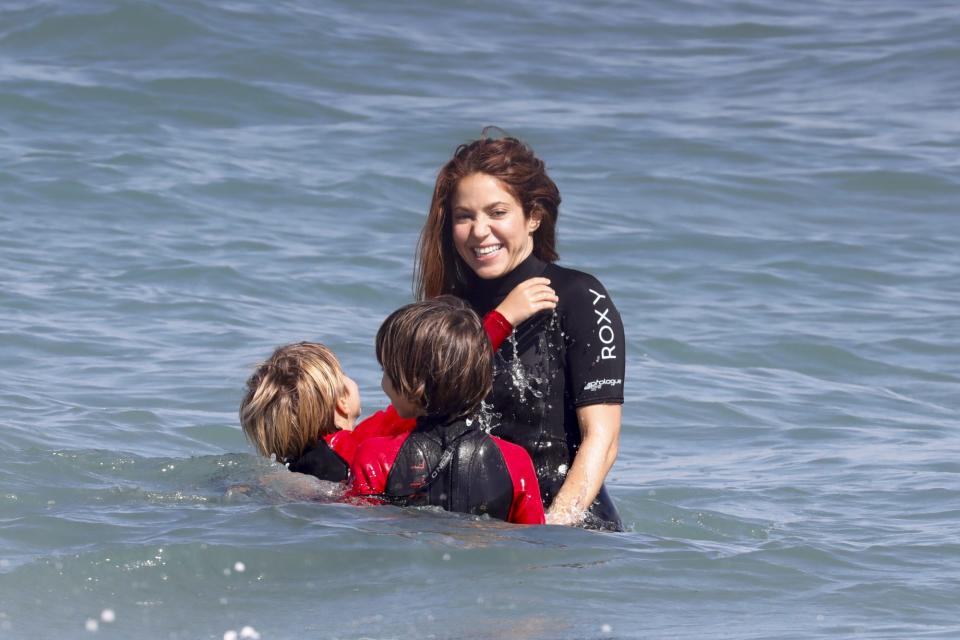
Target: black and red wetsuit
<point>329,459</point>
<point>555,363</point>
<point>456,466</point>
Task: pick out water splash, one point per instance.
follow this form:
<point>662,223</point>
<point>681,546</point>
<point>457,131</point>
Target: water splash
<point>524,381</point>
<point>485,417</point>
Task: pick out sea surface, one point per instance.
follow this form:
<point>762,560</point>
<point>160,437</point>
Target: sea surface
<point>769,190</point>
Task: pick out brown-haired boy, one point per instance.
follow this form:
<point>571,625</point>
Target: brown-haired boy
<point>437,367</point>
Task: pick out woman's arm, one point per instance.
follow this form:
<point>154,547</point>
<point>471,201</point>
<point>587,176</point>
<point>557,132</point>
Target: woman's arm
<point>595,346</point>
<point>600,429</point>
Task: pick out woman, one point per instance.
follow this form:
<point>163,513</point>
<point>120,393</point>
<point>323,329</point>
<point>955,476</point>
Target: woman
<point>558,381</point>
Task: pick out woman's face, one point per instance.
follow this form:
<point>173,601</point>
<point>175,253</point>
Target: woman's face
<point>490,232</point>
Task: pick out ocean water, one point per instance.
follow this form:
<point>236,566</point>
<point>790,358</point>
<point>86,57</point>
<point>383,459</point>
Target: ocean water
<point>770,191</point>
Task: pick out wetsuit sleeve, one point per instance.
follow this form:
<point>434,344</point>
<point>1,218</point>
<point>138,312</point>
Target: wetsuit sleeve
<point>497,327</point>
<point>372,464</point>
<point>527,506</point>
<point>343,443</point>
<point>595,343</point>
<point>321,461</point>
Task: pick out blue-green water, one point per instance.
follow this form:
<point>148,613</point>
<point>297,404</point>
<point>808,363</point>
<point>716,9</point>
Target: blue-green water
<point>769,190</point>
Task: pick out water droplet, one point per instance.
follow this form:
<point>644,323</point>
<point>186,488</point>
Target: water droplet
<point>91,625</point>
<point>239,567</point>
<point>250,633</point>
<point>107,615</point>
<point>446,557</point>
<point>486,418</point>
<point>606,629</point>
<point>230,635</point>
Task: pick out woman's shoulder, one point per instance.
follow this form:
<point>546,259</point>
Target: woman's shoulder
<point>574,286</point>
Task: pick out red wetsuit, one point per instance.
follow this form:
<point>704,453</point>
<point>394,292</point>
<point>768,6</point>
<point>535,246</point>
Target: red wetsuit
<point>454,466</point>
<point>316,460</point>
<point>382,423</point>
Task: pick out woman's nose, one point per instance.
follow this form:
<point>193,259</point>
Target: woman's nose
<point>480,227</point>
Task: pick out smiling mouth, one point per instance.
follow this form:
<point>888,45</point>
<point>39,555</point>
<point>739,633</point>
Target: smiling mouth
<point>481,252</point>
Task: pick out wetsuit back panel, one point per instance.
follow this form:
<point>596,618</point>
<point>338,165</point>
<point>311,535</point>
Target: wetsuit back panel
<point>455,467</point>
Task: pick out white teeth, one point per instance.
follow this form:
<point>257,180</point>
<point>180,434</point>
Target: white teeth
<point>483,251</point>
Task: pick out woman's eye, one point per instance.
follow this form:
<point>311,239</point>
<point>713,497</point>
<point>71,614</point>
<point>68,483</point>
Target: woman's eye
<point>499,213</point>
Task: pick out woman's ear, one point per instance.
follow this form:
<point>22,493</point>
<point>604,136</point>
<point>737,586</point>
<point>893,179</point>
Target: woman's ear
<point>533,221</point>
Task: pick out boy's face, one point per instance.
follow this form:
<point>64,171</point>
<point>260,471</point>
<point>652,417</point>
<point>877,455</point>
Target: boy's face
<point>405,408</point>
<point>348,406</point>
<point>353,399</point>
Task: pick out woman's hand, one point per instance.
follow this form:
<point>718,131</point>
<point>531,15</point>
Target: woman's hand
<point>600,429</point>
<point>528,298</point>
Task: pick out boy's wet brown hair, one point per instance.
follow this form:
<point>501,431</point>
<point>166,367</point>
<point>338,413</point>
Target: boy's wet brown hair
<point>291,400</point>
<point>437,354</point>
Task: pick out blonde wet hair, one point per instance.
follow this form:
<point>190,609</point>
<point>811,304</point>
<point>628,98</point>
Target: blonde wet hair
<point>291,400</point>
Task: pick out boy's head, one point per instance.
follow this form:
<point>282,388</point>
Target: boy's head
<point>296,397</point>
<point>436,359</point>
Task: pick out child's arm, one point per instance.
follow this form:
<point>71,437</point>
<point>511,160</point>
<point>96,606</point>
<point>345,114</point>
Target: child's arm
<point>372,464</point>
<point>497,327</point>
<point>527,298</point>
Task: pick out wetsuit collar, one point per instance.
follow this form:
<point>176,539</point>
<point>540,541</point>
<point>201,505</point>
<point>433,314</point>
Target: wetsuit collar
<point>487,294</point>
<point>444,427</point>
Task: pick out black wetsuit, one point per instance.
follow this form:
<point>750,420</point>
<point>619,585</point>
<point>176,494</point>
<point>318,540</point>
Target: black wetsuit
<point>452,465</point>
<point>554,363</point>
<point>455,467</point>
<point>321,461</point>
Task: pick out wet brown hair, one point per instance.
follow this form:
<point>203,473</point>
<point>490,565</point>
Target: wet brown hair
<point>522,173</point>
<point>437,355</point>
<point>291,400</point>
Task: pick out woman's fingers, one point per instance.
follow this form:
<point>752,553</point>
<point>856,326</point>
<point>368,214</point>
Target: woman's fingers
<point>533,282</point>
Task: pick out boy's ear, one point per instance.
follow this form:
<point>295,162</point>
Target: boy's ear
<point>418,395</point>
<point>341,406</point>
